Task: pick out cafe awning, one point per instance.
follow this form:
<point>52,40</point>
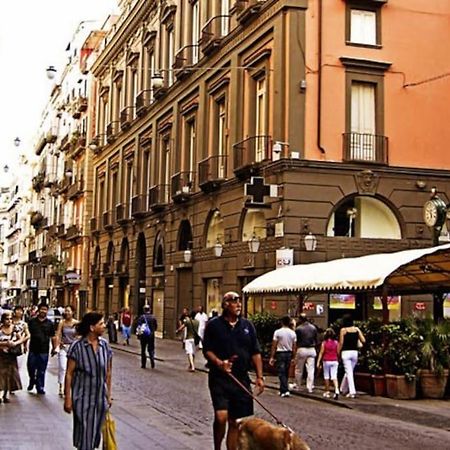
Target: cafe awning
<point>405,272</point>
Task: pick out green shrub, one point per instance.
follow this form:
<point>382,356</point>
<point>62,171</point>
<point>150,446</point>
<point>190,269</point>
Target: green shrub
<point>265,323</point>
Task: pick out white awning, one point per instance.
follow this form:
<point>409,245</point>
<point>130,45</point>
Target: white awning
<point>407,271</point>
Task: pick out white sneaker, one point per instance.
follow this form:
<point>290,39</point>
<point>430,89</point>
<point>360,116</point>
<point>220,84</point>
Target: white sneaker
<point>286,394</point>
<point>326,394</point>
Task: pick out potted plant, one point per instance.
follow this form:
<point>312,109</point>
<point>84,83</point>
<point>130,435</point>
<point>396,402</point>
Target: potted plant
<point>401,359</point>
<point>265,324</point>
<point>434,356</point>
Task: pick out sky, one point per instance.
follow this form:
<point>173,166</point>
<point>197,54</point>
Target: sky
<point>34,35</point>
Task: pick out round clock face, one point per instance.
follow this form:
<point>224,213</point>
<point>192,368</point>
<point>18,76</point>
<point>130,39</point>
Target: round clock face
<point>430,213</point>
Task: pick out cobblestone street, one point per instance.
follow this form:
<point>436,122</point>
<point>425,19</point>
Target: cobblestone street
<point>169,408</point>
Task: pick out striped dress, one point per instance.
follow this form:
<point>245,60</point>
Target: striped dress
<point>89,391</point>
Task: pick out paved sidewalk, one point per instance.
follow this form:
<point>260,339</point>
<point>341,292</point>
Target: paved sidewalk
<point>423,410</point>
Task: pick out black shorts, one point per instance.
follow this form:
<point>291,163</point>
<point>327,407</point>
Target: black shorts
<point>227,395</point>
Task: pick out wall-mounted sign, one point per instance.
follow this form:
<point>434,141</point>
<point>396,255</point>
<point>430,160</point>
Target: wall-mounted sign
<point>420,306</point>
<point>342,301</point>
<point>279,229</point>
<point>42,293</point>
<point>73,278</point>
<point>284,257</point>
<point>273,305</point>
<point>393,303</point>
<point>308,306</point>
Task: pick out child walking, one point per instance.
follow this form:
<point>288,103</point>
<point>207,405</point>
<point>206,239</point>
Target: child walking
<point>329,355</point>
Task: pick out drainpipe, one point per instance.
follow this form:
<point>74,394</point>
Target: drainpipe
<point>319,81</point>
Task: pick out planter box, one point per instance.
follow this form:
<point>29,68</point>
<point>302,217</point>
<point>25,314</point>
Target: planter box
<point>379,385</point>
<point>399,388</point>
<point>432,385</point>
<point>363,382</point>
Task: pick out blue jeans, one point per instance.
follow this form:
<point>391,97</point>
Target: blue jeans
<point>283,364</point>
<point>37,365</point>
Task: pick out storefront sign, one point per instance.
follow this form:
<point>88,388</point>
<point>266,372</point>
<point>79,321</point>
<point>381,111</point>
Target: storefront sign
<point>342,301</point>
<point>73,278</point>
<point>284,257</point>
<point>308,306</point>
<point>420,306</point>
<point>273,305</point>
<point>33,284</point>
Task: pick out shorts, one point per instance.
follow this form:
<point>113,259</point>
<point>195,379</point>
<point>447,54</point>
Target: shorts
<point>226,395</point>
<point>189,346</point>
<point>330,369</point>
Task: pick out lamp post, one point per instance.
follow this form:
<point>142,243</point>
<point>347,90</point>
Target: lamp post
<point>17,141</point>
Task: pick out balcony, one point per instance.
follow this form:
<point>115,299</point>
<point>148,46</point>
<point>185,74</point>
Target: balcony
<point>121,268</point>
<point>40,144</point>
<point>77,144</point>
<point>139,206</point>
<point>111,131</point>
<point>364,147</point>
<point>38,181</point>
<point>75,190</point>
<point>107,222</point>
<point>248,9</point>
<point>158,197</point>
<point>182,186</point>
<point>79,106</point>
<point>185,59</point>
<point>61,233</point>
<point>36,220</point>
<point>73,232</point>
<point>97,143</point>
<point>63,185</point>
<point>126,117</point>
<point>52,231</point>
<point>250,153</point>
<point>213,32</point>
<point>65,143</point>
<point>122,214</point>
<point>93,225</point>
<point>212,172</point>
<point>143,101</point>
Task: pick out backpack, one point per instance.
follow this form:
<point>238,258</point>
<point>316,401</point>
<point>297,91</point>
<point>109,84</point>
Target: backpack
<point>144,329</point>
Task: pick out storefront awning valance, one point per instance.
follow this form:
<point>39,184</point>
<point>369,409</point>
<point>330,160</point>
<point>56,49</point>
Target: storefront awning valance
<point>408,271</point>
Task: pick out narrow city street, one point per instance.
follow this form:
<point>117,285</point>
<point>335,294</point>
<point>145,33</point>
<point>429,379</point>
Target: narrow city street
<point>169,408</point>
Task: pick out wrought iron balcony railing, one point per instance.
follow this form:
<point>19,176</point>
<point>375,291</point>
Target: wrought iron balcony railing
<point>158,196</point>
<point>250,152</point>
<point>213,32</point>
<point>143,101</point>
<point>365,147</point>
<point>185,59</point>
<point>182,185</point>
<point>212,171</point>
<point>139,206</point>
<point>112,130</point>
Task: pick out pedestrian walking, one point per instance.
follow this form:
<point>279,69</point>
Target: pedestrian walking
<point>42,331</point>
<point>190,328</point>
<point>330,357</point>
<point>145,330</point>
<point>88,381</point>
<point>306,352</point>
<point>202,318</point>
<point>349,336</point>
<point>111,326</point>
<point>22,327</point>
<point>11,341</point>
<point>282,351</point>
<point>66,334</point>
<point>231,347</point>
<point>126,319</point>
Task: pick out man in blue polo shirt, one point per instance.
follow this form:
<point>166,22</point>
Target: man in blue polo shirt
<point>230,346</point>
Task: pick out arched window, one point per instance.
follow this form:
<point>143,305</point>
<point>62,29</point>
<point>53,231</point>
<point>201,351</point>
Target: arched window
<point>158,253</point>
<point>124,252</point>
<point>110,255</point>
<point>185,235</point>
<point>215,230</point>
<point>364,217</point>
<point>254,225</point>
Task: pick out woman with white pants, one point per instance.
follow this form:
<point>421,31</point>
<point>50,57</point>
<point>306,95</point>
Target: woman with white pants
<point>348,346</point>
<point>65,334</point>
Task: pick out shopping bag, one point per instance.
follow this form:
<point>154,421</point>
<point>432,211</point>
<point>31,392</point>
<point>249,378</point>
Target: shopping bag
<point>109,433</point>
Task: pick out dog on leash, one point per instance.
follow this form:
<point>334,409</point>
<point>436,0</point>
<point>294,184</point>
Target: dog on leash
<point>258,434</point>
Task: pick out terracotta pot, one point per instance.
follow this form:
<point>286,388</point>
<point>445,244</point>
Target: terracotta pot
<point>432,385</point>
<point>363,382</point>
<point>379,385</point>
<point>398,387</point>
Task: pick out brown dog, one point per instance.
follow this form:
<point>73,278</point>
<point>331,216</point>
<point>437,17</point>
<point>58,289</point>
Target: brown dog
<point>258,434</point>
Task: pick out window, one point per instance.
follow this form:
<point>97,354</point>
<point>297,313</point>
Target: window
<point>222,135</point>
<point>170,54</point>
<point>224,17</point>
<point>215,230</point>
<point>195,35</point>
<point>260,116</point>
<point>363,22</point>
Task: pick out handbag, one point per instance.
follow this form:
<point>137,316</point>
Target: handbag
<point>16,350</point>
<point>197,338</point>
<point>109,433</point>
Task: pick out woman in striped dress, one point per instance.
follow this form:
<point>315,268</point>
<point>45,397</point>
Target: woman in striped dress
<point>88,381</point>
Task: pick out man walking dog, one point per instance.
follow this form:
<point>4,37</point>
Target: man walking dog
<point>231,348</point>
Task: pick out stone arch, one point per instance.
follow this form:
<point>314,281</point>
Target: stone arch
<point>215,229</point>
<point>184,235</point>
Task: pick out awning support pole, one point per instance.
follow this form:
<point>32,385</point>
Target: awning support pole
<point>384,302</point>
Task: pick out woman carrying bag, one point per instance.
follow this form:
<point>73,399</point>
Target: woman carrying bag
<point>88,382</point>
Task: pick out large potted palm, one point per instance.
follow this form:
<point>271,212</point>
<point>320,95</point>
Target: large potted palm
<point>434,356</point>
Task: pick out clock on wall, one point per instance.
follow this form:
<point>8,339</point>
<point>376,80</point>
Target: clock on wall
<point>434,212</point>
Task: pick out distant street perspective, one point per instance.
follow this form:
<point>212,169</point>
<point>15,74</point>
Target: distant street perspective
<point>227,225</point>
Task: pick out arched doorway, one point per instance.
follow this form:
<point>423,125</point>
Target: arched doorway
<point>141,273</point>
<point>158,281</point>
<point>123,273</point>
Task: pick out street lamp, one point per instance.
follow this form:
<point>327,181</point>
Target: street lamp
<point>17,141</point>
<point>187,255</point>
<point>157,80</point>
<point>310,242</point>
<point>253,243</point>
<point>218,248</point>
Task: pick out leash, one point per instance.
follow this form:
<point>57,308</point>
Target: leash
<point>248,392</point>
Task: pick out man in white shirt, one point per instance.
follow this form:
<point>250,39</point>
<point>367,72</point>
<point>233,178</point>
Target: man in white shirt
<point>282,352</point>
<point>202,318</point>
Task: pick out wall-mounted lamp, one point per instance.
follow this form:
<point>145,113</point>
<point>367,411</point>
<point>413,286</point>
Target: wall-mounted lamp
<point>187,256</point>
<point>6,168</point>
<point>51,72</point>
<point>68,173</point>
<point>157,80</point>
<point>218,248</point>
<point>310,242</point>
<point>253,244</point>
<point>17,141</point>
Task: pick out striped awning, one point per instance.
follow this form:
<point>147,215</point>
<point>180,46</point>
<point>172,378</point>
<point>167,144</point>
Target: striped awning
<point>409,271</point>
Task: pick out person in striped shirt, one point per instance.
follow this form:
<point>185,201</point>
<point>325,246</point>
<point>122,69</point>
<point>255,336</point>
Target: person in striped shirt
<point>88,381</point>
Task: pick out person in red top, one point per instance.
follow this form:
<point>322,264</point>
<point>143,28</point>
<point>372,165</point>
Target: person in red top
<point>126,320</point>
<point>329,355</point>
